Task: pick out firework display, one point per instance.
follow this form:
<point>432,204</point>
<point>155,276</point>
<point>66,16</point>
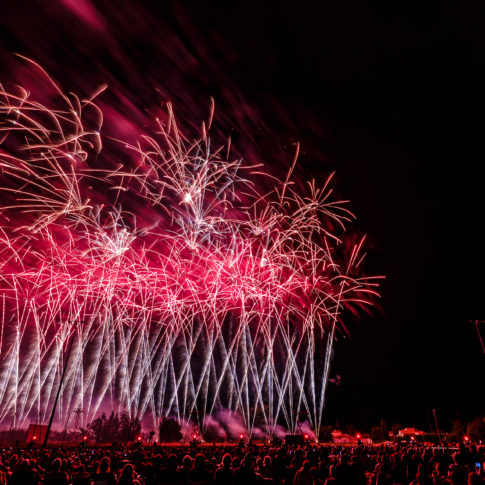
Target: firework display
<point>160,274</point>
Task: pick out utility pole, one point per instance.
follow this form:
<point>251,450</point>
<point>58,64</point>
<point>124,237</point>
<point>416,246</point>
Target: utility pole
<point>58,393</point>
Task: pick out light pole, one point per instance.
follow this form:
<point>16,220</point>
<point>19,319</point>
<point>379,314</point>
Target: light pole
<point>476,322</point>
<point>437,427</point>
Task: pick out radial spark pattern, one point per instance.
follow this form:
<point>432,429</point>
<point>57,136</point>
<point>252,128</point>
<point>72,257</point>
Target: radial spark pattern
<point>179,285</point>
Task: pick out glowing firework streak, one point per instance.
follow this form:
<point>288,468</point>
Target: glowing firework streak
<point>183,289</point>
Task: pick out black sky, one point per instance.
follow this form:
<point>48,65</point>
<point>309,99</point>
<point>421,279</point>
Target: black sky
<point>389,94</point>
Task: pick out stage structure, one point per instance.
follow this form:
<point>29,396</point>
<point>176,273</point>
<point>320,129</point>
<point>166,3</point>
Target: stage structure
<point>180,285</point>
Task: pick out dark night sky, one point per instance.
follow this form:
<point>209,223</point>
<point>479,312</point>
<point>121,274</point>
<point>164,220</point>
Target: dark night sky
<point>391,96</point>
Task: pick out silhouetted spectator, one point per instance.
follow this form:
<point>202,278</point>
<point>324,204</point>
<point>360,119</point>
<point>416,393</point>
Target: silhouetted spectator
<point>199,475</point>
<point>81,477</point>
<point>56,476</point>
<point>127,476</point>
<point>303,475</point>
<point>103,475</point>
<point>23,475</point>
<point>169,475</point>
<point>245,474</point>
<point>267,470</point>
<point>224,475</point>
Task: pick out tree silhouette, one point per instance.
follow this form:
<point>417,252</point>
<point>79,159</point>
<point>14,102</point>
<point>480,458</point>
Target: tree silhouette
<point>169,431</point>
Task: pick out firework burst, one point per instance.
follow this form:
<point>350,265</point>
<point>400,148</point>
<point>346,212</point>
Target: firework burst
<point>182,287</point>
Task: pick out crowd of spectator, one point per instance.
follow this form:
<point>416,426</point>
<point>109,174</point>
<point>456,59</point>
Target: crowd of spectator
<point>311,464</point>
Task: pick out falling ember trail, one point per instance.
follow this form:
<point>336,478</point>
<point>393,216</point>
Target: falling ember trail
<point>183,288</point>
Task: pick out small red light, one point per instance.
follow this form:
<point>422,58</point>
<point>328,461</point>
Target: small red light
<point>412,438</point>
<point>139,438</point>
<point>466,438</point>
<point>357,436</point>
<point>241,436</point>
<point>306,436</point>
<point>34,437</point>
<point>85,438</point>
<point>194,436</point>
